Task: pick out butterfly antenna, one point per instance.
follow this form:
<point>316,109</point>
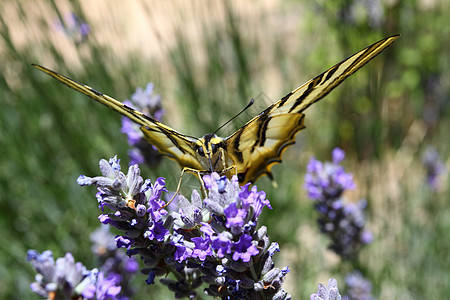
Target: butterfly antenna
<point>245,108</point>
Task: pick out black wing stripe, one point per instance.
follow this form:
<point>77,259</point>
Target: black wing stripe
<point>332,71</point>
<point>261,133</point>
<point>169,134</point>
<point>236,143</point>
<point>283,100</point>
<point>303,96</point>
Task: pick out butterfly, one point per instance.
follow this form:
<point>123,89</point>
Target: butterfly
<point>253,149</point>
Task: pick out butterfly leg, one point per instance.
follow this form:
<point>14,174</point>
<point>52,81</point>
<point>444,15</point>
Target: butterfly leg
<point>192,171</point>
<point>199,176</point>
<point>225,167</point>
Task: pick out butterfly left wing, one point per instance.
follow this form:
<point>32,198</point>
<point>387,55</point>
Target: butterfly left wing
<point>260,142</point>
<point>168,141</point>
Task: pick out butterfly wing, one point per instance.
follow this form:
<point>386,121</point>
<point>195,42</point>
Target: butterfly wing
<point>260,142</point>
<point>168,141</point>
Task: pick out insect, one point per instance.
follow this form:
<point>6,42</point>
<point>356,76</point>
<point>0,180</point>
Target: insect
<point>253,149</point>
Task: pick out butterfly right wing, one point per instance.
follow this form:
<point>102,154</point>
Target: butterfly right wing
<point>168,141</point>
<point>261,141</point>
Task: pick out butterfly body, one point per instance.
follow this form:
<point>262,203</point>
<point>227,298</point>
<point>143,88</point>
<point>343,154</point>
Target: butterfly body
<point>255,147</point>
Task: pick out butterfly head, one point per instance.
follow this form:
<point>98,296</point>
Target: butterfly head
<point>208,151</point>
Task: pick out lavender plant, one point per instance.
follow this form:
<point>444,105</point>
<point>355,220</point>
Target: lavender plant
<point>213,241</point>
<point>342,222</point>
<point>150,104</point>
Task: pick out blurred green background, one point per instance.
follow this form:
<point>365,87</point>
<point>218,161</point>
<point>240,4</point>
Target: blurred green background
<point>207,59</point>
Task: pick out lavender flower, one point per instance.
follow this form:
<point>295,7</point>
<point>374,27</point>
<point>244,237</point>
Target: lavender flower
<point>67,279</point>
<point>329,292</point>
<point>104,287</point>
<point>214,240</point>
<point>434,167</point>
<point>74,27</point>
<point>115,265</point>
<point>150,104</point>
<point>344,223</point>
<point>358,288</point>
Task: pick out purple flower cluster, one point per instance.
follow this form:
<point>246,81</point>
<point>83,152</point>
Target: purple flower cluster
<point>329,292</point>
<point>74,27</point>
<point>358,288</point>
<point>67,279</point>
<point>213,240</point>
<point>344,223</point>
<point>150,104</point>
<point>434,167</point>
<point>105,287</point>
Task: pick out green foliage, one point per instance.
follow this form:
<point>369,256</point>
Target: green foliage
<point>381,116</point>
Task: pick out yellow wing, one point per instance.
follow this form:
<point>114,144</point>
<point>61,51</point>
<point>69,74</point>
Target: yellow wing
<point>168,141</point>
<point>260,142</point>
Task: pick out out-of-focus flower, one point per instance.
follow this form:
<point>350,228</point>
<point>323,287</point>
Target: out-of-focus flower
<point>325,181</point>
<point>434,167</point>
<point>149,103</point>
<point>343,223</point>
<point>104,287</point>
<point>356,12</point>
<point>358,288</point>
<point>329,292</point>
<point>55,279</point>
<point>73,27</point>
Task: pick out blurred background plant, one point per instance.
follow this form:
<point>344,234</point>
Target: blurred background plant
<point>205,59</point>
